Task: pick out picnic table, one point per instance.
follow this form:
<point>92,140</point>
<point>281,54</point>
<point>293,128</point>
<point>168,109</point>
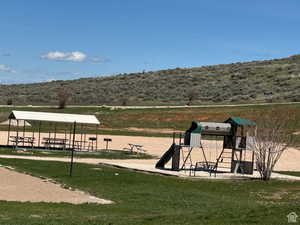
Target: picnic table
<point>19,139</point>
<point>135,147</point>
<point>54,142</point>
<point>78,144</point>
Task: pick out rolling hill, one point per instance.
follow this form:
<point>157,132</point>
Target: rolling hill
<point>276,80</point>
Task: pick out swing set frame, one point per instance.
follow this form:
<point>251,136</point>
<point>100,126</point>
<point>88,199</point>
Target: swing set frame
<point>235,142</point>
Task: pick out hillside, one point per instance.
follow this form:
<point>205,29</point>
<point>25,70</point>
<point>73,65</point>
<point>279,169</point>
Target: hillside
<point>275,80</point>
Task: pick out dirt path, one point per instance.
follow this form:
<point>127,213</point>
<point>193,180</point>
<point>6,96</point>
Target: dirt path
<point>149,107</point>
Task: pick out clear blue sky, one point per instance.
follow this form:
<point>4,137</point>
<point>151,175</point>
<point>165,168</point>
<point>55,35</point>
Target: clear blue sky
<point>42,40</point>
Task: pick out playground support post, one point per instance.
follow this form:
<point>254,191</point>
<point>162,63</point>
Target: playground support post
<point>173,137</point>
<point>180,138</point>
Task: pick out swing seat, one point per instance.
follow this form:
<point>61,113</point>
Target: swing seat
<point>202,166</point>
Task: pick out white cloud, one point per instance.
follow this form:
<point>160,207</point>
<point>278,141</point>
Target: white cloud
<point>65,56</point>
<point>6,69</point>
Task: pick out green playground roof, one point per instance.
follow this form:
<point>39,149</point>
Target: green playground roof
<point>241,122</point>
<point>196,127</point>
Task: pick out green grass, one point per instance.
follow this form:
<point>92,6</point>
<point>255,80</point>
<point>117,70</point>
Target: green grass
<point>292,173</point>
<point>152,199</point>
<point>101,154</point>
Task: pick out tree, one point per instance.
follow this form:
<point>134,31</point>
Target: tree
<point>124,101</point>
<point>272,136</point>
<point>63,95</point>
<point>192,95</point>
<point>9,101</point>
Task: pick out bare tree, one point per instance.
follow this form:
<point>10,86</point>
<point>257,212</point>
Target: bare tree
<point>124,101</point>
<point>192,95</point>
<point>9,101</point>
<point>272,136</point>
<point>63,95</point>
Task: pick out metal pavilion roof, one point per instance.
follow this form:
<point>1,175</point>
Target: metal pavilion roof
<point>14,123</point>
<point>54,117</point>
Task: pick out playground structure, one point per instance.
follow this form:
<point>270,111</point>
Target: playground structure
<point>235,156</point>
<point>61,131</point>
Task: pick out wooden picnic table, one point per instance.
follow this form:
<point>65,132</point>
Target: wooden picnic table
<point>20,139</point>
<point>137,147</point>
<point>78,144</point>
<point>53,142</point>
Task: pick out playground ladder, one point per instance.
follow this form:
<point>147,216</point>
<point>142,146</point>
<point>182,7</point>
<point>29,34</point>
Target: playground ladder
<point>224,159</point>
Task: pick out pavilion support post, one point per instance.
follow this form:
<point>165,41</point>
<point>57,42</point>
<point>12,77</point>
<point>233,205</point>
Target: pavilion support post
<point>39,141</point>
<point>70,136</point>
<point>65,141</point>
<point>8,133</point>
<point>49,137</point>
<point>73,146</point>
<point>65,133</point>
<point>84,139</point>
<point>32,143</point>
<point>81,136</point>
<point>252,161</point>
<point>97,130</point>
<point>54,130</point>
<point>23,132</point>
<point>49,132</point>
<point>17,138</point>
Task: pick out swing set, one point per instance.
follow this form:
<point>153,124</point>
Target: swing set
<point>231,155</point>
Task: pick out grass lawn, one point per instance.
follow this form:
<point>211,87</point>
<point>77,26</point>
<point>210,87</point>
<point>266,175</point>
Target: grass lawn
<point>292,173</point>
<point>101,154</point>
<point>153,199</point>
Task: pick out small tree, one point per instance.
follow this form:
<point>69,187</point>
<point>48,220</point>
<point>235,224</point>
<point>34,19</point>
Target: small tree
<point>272,136</point>
<point>9,101</point>
<point>63,95</point>
<point>192,95</point>
<point>124,101</point>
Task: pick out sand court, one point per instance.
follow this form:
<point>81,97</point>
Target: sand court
<point>22,187</point>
